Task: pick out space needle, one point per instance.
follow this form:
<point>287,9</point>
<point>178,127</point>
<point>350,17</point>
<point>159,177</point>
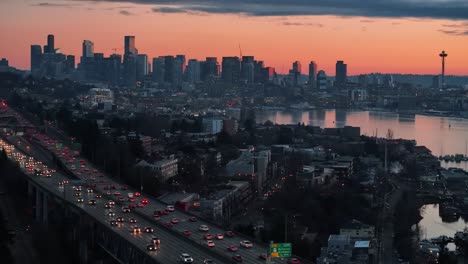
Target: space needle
<point>443,55</point>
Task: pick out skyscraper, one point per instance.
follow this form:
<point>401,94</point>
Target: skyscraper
<point>179,69</point>
<point>295,72</point>
<point>231,69</point>
<point>36,56</point>
<point>193,71</point>
<point>341,74</point>
<point>248,69</point>
<point>88,49</point>
<point>70,62</point>
<point>312,72</point>
<point>142,66</point>
<point>210,67</point>
<point>50,47</point>
<point>169,69</point>
<point>158,70</point>
<point>130,45</point>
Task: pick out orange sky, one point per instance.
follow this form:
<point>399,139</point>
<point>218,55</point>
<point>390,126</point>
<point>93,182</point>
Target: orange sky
<point>365,44</point>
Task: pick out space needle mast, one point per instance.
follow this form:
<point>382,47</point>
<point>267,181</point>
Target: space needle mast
<point>443,55</point>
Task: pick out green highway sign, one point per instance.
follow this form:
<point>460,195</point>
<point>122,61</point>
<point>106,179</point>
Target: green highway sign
<point>280,250</point>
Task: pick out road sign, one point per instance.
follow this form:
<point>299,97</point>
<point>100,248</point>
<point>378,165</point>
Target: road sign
<point>280,250</point>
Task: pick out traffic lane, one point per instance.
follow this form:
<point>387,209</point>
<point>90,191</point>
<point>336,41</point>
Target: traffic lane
<point>251,254</point>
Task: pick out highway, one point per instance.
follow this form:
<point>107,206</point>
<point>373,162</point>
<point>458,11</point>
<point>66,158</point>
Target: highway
<point>173,240</point>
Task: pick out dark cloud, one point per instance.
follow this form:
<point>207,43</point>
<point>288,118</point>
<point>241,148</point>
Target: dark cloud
<point>448,9</point>
<point>46,4</point>
<point>454,32</point>
<point>367,21</point>
<point>302,24</point>
<point>456,29</point>
<point>169,10</point>
<point>125,13</point>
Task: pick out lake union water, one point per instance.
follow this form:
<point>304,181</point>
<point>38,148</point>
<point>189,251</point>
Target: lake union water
<point>442,135</point>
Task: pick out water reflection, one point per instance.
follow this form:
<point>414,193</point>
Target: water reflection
<point>442,135</point>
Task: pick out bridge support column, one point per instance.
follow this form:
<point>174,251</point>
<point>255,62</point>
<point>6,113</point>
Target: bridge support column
<point>45,208</point>
<point>38,205</point>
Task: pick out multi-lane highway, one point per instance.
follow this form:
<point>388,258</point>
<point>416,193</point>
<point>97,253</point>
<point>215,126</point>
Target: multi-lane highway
<point>178,231</point>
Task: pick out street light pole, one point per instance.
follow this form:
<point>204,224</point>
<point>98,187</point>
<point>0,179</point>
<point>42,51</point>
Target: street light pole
<point>285,227</point>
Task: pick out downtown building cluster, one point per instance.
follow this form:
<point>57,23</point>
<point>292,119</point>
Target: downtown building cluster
<point>132,69</point>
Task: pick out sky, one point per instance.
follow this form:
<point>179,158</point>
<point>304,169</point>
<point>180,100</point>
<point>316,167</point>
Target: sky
<point>387,36</point>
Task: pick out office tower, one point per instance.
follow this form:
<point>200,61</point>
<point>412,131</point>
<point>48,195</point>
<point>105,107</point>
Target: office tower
<point>341,74</point>
<point>230,70</point>
<point>179,68</point>
<point>295,72</point>
<point>36,57</point>
<point>210,67</point>
<point>4,63</point>
<point>130,45</point>
<point>169,69</point>
<point>50,47</point>
<point>193,71</point>
<point>129,74</point>
<point>158,70</point>
<point>248,69</point>
<point>268,74</point>
<point>142,66</point>
<point>88,49</point>
<point>443,55</point>
<point>113,69</point>
<point>258,71</point>
<point>70,63</point>
<point>321,80</point>
<point>312,72</point>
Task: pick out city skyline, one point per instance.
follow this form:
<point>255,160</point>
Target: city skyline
<point>369,44</point>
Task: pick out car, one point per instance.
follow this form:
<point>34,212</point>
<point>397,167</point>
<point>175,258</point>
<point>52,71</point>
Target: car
<point>120,219</point>
<point>246,244</point>
<point>263,256</point>
<point>157,217</point>
<point>187,233</point>
<point>121,199</point>
<point>77,194</point>
<point>170,208</point>
<point>208,237</point>
<point>111,202</point>
<point>186,258</point>
<point>106,187</point>
<point>149,229</point>
<point>113,187</point>
<point>79,199</point>
<point>132,206</point>
<point>193,219</point>
<point>144,201</point>
<point>140,205</point>
<point>175,220</point>
<point>116,193</point>
<point>219,236</point>
<point>125,209</point>
<point>210,243</point>
<point>95,170</point>
<point>92,202</point>
<point>133,221</point>
<point>294,261</point>
<point>169,224</point>
<point>155,241</point>
<point>89,190</point>
<point>232,248</point>
<point>137,194</point>
<point>111,214</point>
<point>131,199</point>
<point>204,228</point>
<point>230,234</point>
<point>151,247</point>
<point>123,187</point>
<point>107,206</point>
<point>108,192</point>
<point>237,258</point>
<point>165,212</point>
<point>156,213</point>
<point>136,229</point>
<point>113,223</point>
<point>209,261</point>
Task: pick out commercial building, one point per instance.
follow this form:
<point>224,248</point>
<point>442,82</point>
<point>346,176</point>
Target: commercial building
<point>36,57</point>
<point>193,71</point>
<point>231,70</point>
<point>88,49</point>
<point>142,68</point>
<point>162,169</point>
<point>158,70</point>
<point>321,81</point>
<point>341,76</point>
<point>212,125</point>
<point>312,73</point>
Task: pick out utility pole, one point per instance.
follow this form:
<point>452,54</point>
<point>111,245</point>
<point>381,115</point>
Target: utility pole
<point>286,228</point>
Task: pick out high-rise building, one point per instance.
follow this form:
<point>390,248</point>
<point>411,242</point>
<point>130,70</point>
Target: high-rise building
<point>113,69</point>
<point>36,57</point>
<point>312,73</point>
<point>142,66</point>
<point>295,72</point>
<point>70,63</point>
<point>231,69</point>
<point>179,69</point>
<point>130,45</point>
<point>50,47</point>
<point>248,69</point>
<point>268,74</point>
<point>363,80</point>
<point>158,70</point>
<point>341,76</point>
<point>210,67</point>
<point>169,69</point>
<point>88,49</point>
<point>321,80</point>
<point>193,71</point>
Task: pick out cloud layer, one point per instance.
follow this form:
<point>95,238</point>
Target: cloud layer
<point>438,9</point>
